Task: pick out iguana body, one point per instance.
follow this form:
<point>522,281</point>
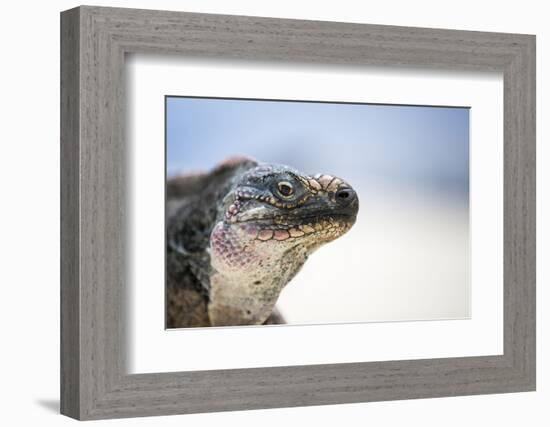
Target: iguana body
<point>238,235</point>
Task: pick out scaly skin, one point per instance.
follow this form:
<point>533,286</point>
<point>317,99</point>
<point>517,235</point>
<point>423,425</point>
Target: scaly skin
<point>254,226</point>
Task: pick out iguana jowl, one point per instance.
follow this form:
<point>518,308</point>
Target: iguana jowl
<point>238,235</point>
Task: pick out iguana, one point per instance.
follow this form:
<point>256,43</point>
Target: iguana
<point>237,235</point>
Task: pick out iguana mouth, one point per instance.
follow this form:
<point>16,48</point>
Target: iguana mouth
<point>325,229</point>
<point>317,229</point>
<point>299,219</point>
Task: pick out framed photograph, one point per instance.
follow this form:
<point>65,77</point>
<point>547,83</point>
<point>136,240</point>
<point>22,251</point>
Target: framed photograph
<point>262,213</point>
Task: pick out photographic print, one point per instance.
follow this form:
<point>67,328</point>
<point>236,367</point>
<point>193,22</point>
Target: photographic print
<point>310,212</point>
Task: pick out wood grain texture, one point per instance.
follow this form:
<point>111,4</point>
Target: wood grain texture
<point>94,267</point>
<point>70,221</point>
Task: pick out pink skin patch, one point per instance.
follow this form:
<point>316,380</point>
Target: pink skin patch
<point>230,246</point>
<point>251,231</point>
<point>265,234</point>
<point>281,235</point>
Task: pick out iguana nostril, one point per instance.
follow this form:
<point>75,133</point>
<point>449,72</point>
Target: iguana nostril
<point>345,196</point>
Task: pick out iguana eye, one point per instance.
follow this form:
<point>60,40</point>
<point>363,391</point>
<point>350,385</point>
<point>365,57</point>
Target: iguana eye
<point>285,188</point>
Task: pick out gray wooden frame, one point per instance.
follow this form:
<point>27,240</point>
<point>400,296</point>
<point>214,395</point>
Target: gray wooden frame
<point>94,41</point>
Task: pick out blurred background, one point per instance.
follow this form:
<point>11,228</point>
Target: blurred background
<point>407,257</point>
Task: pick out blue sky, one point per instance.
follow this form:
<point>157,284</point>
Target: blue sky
<point>411,147</point>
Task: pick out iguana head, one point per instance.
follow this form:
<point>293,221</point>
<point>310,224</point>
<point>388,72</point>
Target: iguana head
<point>269,222</point>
